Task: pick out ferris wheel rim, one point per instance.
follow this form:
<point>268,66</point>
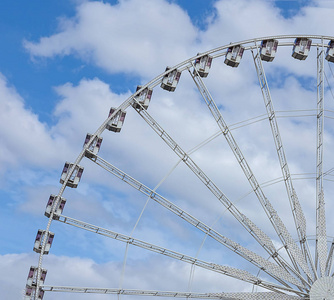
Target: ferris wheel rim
<point>153,83</point>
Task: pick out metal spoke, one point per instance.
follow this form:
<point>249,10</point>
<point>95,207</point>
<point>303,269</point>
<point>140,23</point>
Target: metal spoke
<point>272,269</point>
<point>123,106</point>
<point>330,259</point>
<point>226,270</point>
<point>321,241</point>
<point>221,296</point>
<point>292,249</point>
<point>293,273</point>
<point>257,233</point>
<point>298,214</point>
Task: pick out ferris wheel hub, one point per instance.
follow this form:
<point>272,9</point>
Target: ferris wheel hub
<point>322,289</point>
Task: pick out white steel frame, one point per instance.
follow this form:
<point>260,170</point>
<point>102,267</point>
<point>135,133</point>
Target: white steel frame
<point>293,273</point>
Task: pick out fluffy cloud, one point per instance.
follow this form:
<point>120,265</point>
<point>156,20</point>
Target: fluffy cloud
<point>154,273</point>
<point>132,36</point>
<point>24,138</point>
<point>26,141</point>
<point>83,108</point>
<point>121,38</point>
<point>15,268</point>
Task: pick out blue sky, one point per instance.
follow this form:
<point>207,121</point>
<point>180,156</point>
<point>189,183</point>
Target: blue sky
<point>64,63</point>
<point>34,20</point>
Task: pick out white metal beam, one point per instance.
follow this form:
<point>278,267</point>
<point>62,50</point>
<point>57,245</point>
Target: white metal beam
<point>297,212</point>
<point>225,270</point>
<point>321,240</point>
<point>291,247</point>
<point>272,269</point>
<point>221,296</point>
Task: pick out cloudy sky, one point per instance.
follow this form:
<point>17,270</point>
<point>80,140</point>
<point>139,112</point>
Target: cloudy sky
<point>63,64</point>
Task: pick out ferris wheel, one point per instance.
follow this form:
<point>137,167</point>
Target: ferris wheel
<point>277,248</point>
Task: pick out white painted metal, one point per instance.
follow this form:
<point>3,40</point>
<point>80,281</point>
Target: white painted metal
<point>31,293</point>
<point>41,235</point>
<point>322,289</point>
<point>115,123</point>
<point>32,276</point>
<point>273,270</point>
<point>226,270</point>
<point>258,234</point>
<point>57,210</point>
<point>301,48</point>
<point>74,172</point>
<point>143,98</point>
<point>234,55</point>
<point>279,270</point>
<point>320,212</point>
<point>268,49</point>
<point>171,79</point>
<point>44,244</point>
<point>296,209</point>
<point>94,145</point>
<point>221,296</point>
<point>330,260</point>
<point>293,251</point>
<point>203,65</point>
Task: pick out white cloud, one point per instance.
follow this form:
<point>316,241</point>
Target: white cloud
<point>150,274</point>
<point>25,140</point>
<point>14,273</point>
<point>139,37</point>
<point>83,108</point>
<point>242,20</point>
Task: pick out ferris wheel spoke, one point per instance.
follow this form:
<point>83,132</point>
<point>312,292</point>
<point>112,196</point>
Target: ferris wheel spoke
<point>291,247</point>
<point>130,292</point>
<point>257,233</point>
<point>276,271</point>
<point>330,259</point>
<point>321,240</point>
<point>304,274</point>
<point>225,270</point>
<point>72,167</point>
<point>297,212</point>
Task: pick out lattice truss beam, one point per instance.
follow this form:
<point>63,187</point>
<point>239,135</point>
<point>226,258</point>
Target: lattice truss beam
<point>294,252</point>
<point>275,271</point>
<point>225,270</point>
<point>221,296</point>
<point>321,241</point>
<point>293,279</point>
<point>297,212</point>
<point>257,233</point>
